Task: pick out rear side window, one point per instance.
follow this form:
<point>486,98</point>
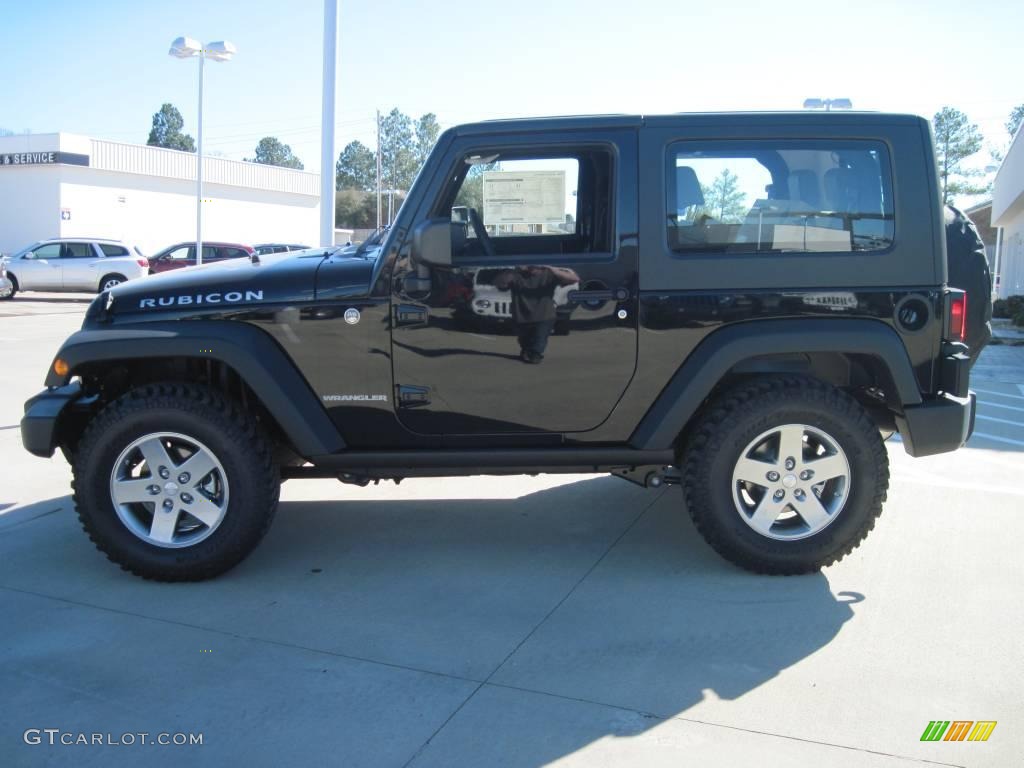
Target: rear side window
<point>778,196</point>
<point>78,251</point>
<point>113,250</point>
<point>232,253</point>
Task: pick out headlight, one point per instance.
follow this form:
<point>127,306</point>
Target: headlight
<point>482,303</point>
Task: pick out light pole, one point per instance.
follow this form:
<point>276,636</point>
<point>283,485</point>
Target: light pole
<point>327,156</point>
<point>187,48</point>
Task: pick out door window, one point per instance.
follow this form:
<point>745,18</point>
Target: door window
<point>113,250</point>
<point>49,251</point>
<point>78,251</point>
<point>181,253</point>
<point>526,203</point>
<point>209,253</point>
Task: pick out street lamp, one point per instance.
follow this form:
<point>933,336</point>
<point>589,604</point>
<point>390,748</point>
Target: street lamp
<point>828,104</point>
<point>187,48</point>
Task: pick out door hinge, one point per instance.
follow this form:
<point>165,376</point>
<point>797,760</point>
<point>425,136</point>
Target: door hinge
<point>411,396</point>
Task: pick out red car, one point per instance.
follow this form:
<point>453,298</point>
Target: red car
<point>184,255</point>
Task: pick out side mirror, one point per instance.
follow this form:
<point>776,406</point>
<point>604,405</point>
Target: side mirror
<point>432,242</point>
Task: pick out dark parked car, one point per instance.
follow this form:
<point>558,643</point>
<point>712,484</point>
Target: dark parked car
<point>754,352</point>
<point>264,248</point>
<point>184,255</point>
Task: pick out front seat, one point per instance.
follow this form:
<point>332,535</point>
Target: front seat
<point>685,210</point>
<point>688,194</point>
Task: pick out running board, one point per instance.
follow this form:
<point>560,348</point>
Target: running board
<point>487,461</point>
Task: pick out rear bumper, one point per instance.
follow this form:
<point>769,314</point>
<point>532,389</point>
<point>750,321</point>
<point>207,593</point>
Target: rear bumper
<point>938,426</point>
<point>39,426</point>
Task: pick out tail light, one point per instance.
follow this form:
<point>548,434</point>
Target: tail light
<point>957,318</point>
<point>142,262</point>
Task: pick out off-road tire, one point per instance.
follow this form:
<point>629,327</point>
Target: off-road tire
<point>735,418</point>
<point>201,413</point>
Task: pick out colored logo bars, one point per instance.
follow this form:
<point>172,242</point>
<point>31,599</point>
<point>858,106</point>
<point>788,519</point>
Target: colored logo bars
<point>958,730</point>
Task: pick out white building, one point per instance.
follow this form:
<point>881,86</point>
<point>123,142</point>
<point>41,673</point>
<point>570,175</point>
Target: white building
<point>1008,215</point>
<point>62,185</point>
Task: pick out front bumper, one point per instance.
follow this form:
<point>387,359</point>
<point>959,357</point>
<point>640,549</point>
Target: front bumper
<point>39,427</point>
<point>938,426</point>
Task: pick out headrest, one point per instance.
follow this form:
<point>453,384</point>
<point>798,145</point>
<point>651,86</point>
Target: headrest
<point>688,190</point>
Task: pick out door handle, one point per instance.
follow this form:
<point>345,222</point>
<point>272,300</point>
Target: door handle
<point>412,396</point>
<point>619,294</point>
<point>410,314</point>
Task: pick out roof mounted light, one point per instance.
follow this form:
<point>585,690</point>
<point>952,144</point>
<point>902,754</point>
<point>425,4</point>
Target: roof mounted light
<point>828,104</point>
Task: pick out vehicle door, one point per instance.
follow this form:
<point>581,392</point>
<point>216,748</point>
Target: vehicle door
<point>175,258</point>
<point>531,326</point>
<point>79,266</point>
<point>39,269</point>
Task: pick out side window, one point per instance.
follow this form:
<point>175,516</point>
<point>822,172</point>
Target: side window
<point>78,251</point>
<point>181,253</point>
<point>209,253</point>
<point>113,250</point>
<point>778,196</point>
<point>232,253</point>
<point>48,251</point>
<point>532,203</point>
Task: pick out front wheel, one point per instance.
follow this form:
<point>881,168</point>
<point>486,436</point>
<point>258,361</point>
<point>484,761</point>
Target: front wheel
<point>174,482</point>
<point>785,475</point>
<point>9,292</point>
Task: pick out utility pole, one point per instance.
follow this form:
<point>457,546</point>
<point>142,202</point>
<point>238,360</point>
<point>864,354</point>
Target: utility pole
<point>378,169</point>
<point>328,181</point>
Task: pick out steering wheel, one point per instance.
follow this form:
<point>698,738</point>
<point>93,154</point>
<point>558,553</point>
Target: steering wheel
<point>481,232</point>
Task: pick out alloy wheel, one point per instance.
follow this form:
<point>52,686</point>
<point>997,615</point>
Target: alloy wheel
<point>791,482</point>
<point>169,489</point>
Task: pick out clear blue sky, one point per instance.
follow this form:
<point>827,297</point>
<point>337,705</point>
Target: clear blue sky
<point>101,68</point>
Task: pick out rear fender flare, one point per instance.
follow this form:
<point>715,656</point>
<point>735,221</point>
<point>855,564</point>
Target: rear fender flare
<point>716,355</point>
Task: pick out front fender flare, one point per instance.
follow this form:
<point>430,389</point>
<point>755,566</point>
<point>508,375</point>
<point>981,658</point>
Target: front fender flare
<point>720,351</point>
<point>250,352</point>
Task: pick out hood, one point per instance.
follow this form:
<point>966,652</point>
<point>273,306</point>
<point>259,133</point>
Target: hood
<point>272,279</point>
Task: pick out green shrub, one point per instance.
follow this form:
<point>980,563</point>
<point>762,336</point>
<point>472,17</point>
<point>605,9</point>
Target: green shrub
<point>999,308</point>
<point>1019,319</point>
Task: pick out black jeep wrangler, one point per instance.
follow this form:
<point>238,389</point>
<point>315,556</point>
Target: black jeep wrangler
<point>758,300</point>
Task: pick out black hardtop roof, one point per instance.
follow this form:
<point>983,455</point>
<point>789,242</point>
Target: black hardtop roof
<point>582,122</point>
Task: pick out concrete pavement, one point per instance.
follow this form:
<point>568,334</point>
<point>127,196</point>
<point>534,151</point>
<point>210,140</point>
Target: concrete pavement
<point>575,621</point>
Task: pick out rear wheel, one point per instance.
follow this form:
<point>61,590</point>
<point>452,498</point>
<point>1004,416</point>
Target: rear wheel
<point>174,482</point>
<point>785,475</point>
<point>111,281</point>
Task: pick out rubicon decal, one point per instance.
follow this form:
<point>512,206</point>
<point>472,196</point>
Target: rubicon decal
<point>229,297</point>
<point>958,730</point>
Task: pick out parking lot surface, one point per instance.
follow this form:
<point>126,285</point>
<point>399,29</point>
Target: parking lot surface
<point>567,620</point>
